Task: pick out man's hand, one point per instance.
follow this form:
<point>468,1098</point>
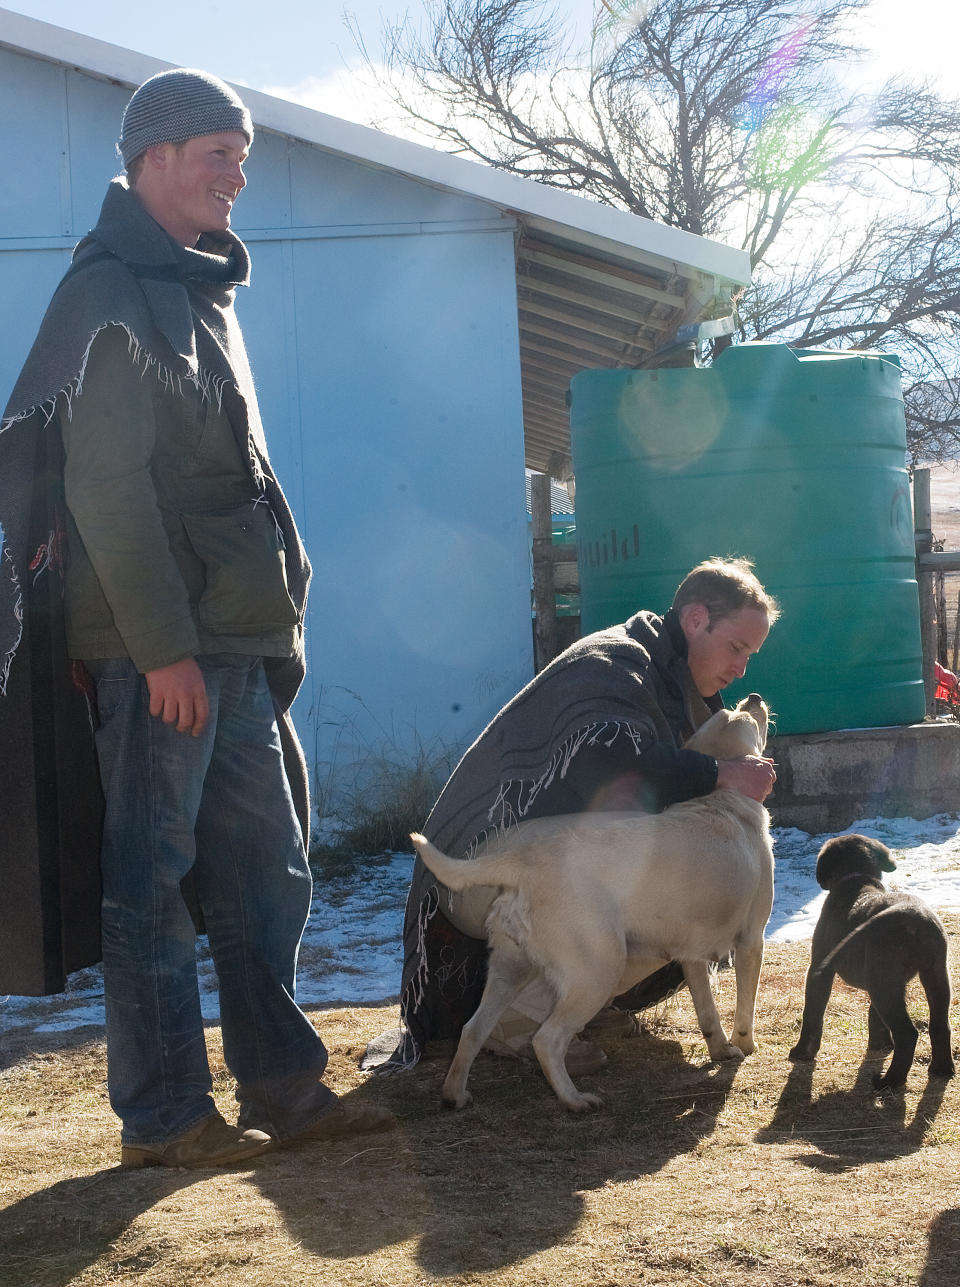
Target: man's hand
<point>751,776</point>
<point>179,695</point>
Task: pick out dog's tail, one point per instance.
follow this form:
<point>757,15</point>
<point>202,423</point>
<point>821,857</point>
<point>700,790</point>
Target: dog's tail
<point>829,961</point>
<point>458,873</point>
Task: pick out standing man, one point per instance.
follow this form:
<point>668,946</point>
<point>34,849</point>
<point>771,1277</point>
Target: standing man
<point>184,592</point>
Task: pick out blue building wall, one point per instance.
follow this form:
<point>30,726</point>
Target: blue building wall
<point>382,329</point>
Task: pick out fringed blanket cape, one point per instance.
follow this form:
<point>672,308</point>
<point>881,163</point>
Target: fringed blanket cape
<point>176,306</point>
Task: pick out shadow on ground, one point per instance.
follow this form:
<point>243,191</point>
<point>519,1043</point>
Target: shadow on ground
<point>492,1185</point>
<point>851,1127</point>
<point>942,1267</point>
<point>463,1193</point>
<point>50,1237</point>
<point>477,1190</point>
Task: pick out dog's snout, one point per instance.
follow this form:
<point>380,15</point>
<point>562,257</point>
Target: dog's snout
<point>754,697</point>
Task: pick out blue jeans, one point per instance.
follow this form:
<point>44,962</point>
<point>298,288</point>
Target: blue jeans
<point>219,806</point>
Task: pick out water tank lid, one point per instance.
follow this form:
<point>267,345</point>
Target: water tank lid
<point>807,354</point>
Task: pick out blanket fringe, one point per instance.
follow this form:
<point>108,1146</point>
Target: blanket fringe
<point>7,660</point>
<point>407,1052</point>
<point>210,387</point>
<point>526,790</point>
<point>515,797</point>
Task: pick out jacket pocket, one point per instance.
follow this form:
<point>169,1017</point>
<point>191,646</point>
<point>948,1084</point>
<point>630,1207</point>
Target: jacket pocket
<point>245,582</point>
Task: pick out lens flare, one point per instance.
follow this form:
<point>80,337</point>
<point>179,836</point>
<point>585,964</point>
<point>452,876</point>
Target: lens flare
<point>763,101</point>
<point>620,18</point>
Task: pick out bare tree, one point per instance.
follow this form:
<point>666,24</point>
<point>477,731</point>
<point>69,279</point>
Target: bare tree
<point>730,119</point>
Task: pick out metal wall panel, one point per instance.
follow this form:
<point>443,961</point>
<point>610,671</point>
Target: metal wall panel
<point>329,189</point>
<point>34,145</point>
<point>414,494</point>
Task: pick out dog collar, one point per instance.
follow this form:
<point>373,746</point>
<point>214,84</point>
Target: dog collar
<point>857,875</point>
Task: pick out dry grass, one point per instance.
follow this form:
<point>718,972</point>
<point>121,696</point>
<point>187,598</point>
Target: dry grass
<point>764,1174</point>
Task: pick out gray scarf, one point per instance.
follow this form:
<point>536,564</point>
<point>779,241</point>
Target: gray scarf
<point>173,303</point>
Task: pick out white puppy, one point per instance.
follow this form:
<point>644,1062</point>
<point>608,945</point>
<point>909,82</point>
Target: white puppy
<point>592,903</point>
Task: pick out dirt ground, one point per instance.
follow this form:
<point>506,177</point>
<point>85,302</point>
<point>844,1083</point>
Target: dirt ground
<point>763,1173</point>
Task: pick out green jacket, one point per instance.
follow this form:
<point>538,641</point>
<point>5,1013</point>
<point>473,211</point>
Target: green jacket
<point>169,551</point>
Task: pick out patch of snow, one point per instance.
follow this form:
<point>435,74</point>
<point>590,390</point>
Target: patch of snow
<point>352,953</point>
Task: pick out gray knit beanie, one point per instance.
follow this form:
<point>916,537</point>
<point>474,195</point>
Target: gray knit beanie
<point>177,105</point>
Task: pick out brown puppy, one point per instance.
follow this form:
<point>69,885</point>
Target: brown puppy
<point>876,939</point>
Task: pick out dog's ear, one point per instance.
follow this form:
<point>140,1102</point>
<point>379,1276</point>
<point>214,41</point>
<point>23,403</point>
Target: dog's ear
<point>831,861</point>
<point>844,855</point>
<point>725,734</point>
<point>709,732</point>
<point>876,856</point>
<point>883,855</point>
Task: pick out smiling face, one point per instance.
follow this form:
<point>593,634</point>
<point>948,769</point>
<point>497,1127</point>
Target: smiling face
<point>718,654</point>
<point>190,188</point>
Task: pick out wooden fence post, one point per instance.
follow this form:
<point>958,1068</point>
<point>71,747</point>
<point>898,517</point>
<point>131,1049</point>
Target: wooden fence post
<point>923,520</point>
<point>544,598</point>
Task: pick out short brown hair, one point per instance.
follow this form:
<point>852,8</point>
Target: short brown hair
<point>724,586</point>
<point>136,163</point>
<point>133,170</point>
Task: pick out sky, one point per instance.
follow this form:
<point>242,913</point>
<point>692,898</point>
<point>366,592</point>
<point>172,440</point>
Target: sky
<point>352,954</point>
<point>303,49</point>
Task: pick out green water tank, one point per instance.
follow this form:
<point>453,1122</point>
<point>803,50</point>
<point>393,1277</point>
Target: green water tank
<point>792,458</point>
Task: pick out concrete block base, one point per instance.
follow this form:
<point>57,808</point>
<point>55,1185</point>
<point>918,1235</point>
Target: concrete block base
<point>826,781</point>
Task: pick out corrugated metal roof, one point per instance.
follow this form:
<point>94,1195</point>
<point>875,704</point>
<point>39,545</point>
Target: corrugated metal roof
<point>582,310</point>
<point>560,502</point>
<point>596,287</point>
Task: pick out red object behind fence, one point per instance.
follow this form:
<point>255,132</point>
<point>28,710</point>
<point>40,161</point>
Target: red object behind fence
<point>948,685</point>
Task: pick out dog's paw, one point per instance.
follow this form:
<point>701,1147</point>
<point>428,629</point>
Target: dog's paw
<point>886,1083</point>
<point>583,1102</point>
<point>457,1101</point>
<point>946,1068</point>
<point>723,1051</point>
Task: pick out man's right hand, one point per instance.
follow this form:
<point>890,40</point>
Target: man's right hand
<point>178,695</point>
<point>751,776</point>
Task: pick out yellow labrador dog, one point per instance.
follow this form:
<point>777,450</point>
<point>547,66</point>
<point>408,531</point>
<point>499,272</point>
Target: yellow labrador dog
<point>592,903</point>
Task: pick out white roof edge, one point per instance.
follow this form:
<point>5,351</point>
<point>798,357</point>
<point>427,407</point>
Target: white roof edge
<point>549,208</point>
<point>58,44</point>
